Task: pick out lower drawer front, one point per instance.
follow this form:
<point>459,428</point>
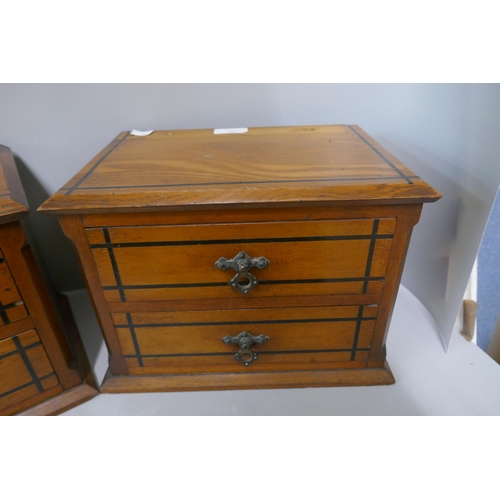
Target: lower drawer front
<point>306,338</point>
<point>25,370</point>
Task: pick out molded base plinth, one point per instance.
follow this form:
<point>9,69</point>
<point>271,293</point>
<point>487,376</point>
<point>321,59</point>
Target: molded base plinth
<point>217,381</point>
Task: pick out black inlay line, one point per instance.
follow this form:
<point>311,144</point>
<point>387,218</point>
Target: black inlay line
<point>330,179</point>
<point>8,393</point>
<point>396,169</point>
<point>2,260</point>
<point>114,265</point>
<point>108,244</point>
<point>181,285</point>
<point>254,322</point>
<point>187,355</point>
<point>356,333</point>
<point>310,351</point>
<point>261,282</point>
<point>27,363</point>
<point>35,344</point>
<point>131,326</point>
<point>24,386</point>
<point>370,253</point>
<point>75,186</point>
<point>180,355</point>
<point>11,305</point>
<point>3,314</point>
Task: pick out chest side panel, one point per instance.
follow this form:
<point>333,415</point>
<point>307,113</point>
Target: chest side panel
<point>12,307</point>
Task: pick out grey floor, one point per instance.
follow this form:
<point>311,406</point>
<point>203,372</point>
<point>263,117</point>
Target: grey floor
<point>488,286</point>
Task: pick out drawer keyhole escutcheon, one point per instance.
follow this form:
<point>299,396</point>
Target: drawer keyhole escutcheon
<point>243,281</point>
<point>246,354</point>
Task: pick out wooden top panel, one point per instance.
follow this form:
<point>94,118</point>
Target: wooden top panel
<point>13,204</point>
<point>264,165</point>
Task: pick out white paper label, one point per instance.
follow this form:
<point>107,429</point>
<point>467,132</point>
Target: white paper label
<point>141,133</point>
<point>230,130</point>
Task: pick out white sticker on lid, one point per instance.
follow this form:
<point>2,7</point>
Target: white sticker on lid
<point>141,133</point>
<point>230,130</point>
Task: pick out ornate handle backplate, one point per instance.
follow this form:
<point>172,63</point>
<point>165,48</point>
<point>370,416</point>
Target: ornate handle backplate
<point>246,354</point>
<point>244,281</point>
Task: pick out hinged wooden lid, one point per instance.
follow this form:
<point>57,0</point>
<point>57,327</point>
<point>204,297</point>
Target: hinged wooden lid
<point>13,204</point>
<point>286,165</point>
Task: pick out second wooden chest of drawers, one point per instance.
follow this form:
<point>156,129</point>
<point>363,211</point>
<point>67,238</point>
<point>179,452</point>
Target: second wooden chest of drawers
<point>269,258</point>
<point>43,367</point>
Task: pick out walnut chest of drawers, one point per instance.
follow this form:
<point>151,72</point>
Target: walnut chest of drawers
<point>267,258</point>
<point>41,372</point>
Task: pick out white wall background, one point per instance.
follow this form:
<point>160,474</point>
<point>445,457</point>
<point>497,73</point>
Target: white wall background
<point>447,133</point>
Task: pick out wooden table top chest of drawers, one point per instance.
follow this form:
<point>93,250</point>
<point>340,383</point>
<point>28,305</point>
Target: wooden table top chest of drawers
<point>41,372</point>
<point>265,258</point>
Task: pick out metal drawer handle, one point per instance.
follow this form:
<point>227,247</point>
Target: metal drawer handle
<point>245,339</point>
<point>242,263</point>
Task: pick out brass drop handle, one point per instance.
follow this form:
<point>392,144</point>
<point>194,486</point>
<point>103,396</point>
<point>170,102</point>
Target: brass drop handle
<point>244,281</point>
<point>246,354</point>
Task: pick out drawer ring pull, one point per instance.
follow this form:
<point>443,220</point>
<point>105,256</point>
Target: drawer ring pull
<point>243,281</point>
<point>246,354</point>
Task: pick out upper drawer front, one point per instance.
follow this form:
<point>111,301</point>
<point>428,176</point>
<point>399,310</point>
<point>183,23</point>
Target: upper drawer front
<point>11,304</point>
<point>146,263</point>
<point>303,338</point>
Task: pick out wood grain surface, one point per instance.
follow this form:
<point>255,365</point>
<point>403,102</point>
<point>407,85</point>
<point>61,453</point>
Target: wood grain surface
<point>337,163</point>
